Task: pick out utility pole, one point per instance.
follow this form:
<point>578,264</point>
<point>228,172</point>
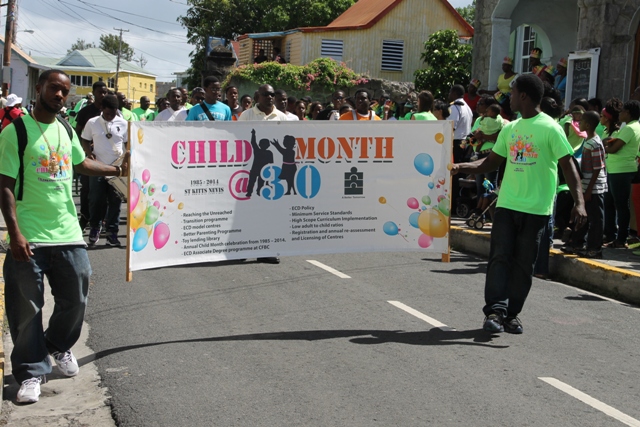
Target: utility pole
<point>8,42</point>
<point>119,53</point>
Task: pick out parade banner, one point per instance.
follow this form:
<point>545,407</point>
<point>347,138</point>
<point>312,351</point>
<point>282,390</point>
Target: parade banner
<point>212,191</point>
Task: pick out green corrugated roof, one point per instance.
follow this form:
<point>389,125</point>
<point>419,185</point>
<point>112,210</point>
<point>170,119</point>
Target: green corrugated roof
<point>93,59</point>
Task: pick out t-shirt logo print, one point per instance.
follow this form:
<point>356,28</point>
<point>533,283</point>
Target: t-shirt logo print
<point>522,149</point>
<point>42,163</point>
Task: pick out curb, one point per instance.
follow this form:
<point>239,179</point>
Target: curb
<point>587,274</point>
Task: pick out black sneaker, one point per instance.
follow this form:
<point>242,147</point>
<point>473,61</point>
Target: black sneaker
<point>512,325</point>
<point>493,323</point>
<point>112,239</point>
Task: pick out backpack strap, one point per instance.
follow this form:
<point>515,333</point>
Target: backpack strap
<point>21,132</point>
<point>66,125</point>
<point>206,111</point>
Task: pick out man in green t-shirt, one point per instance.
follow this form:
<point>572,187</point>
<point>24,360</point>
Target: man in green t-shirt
<point>143,112</point>
<point>44,237</point>
<point>532,146</point>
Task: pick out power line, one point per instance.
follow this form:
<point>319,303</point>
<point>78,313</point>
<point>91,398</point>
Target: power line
<point>128,13</point>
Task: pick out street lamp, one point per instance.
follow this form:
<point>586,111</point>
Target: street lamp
<point>26,31</point>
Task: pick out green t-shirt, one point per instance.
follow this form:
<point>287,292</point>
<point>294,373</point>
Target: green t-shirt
<point>532,148</point>
<point>144,115</point>
<point>574,139</point>
<point>46,213</point>
<point>625,159</point>
<point>129,115</point>
<point>600,130</point>
<point>476,124</point>
<point>425,115</point>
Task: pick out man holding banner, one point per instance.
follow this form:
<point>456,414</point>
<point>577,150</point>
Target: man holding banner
<point>44,236</point>
<point>533,146</point>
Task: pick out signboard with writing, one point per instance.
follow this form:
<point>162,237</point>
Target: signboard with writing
<point>211,191</point>
<point>582,74</point>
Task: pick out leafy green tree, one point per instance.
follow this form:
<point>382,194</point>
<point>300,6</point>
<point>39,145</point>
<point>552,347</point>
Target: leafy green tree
<point>448,62</point>
<point>80,44</point>
<point>468,13</point>
<point>231,18</point>
<point>111,43</point>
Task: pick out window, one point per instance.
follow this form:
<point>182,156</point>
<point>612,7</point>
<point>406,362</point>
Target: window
<point>392,55</point>
<point>85,81</point>
<point>145,85</point>
<point>111,83</point>
<point>287,51</point>
<point>332,49</point>
<point>526,42</point>
<point>150,88</point>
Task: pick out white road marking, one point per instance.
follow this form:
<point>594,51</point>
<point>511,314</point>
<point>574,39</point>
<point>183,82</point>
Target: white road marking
<point>412,311</point>
<point>594,403</point>
<point>329,269</point>
<point>633,307</point>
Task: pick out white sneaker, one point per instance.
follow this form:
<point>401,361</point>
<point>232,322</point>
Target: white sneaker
<point>66,362</point>
<point>29,391</point>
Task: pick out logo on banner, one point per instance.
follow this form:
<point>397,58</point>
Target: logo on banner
<point>353,182</point>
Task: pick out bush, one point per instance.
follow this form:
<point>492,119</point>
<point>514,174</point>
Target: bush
<point>448,63</point>
<point>321,73</point>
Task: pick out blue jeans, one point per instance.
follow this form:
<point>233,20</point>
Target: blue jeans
<point>68,270</point>
<point>103,199</point>
<point>515,238</point>
<point>617,213</point>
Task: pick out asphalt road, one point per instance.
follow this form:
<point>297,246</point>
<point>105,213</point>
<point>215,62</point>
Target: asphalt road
<point>248,344</point>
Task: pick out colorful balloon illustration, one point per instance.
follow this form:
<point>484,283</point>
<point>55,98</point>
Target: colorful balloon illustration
<point>180,205</point>
<point>165,188</point>
<point>146,176</point>
<point>426,200</point>
<point>440,197</point>
<point>152,189</point>
<point>413,219</point>
<point>156,204</point>
<point>140,240</point>
<point>152,215</point>
<point>171,199</point>
<point>425,241</point>
<point>139,212</point>
<point>161,234</point>
<point>441,180</point>
<point>433,223</point>
<point>382,200</point>
<point>134,195</point>
<point>439,138</point>
<point>430,185</point>
<point>140,136</point>
<point>423,164</point>
<point>413,203</point>
<point>390,228</point>
<point>444,206</point>
<point>449,166</point>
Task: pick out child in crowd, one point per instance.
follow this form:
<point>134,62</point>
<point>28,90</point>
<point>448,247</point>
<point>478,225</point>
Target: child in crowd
<point>594,185</point>
<point>572,129</point>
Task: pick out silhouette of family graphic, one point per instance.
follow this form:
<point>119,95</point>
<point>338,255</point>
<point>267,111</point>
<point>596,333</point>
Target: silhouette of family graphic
<point>262,156</point>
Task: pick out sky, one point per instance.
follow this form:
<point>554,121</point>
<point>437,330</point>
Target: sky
<point>153,29</point>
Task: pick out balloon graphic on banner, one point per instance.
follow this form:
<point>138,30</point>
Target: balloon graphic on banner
<point>425,241</point>
<point>165,188</point>
<point>426,200</point>
<point>433,223</point>
<point>161,235</point>
<point>139,212</point>
<point>439,138</point>
<point>140,239</point>
<point>146,176</point>
<point>156,204</point>
<point>413,203</point>
<point>134,195</point>
<point>430,185</point>
<point>390,228</point>
<point>444,206</point>
<point>413,219</point>
<point>423,164</point>
<point>152,189</point>
<point>382,200</point>
<point>152,215</point>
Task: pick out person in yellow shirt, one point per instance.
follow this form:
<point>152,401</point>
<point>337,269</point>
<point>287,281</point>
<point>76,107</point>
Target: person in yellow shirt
<point>362,111</point>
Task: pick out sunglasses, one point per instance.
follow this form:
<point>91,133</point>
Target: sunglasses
<point>265,94</point>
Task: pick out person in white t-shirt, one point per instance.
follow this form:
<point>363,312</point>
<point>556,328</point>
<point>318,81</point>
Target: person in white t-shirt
<point>176,111</point>
<point>462,117</point>
<point>107,133</point>
<point>281,102</point>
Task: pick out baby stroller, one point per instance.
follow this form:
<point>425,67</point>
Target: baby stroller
<point>478,219</point>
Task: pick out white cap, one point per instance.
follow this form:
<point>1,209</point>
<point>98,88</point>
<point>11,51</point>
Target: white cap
<point>13,99</point>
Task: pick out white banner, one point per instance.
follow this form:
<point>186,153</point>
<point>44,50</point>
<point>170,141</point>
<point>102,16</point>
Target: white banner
<point>211,191</point>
